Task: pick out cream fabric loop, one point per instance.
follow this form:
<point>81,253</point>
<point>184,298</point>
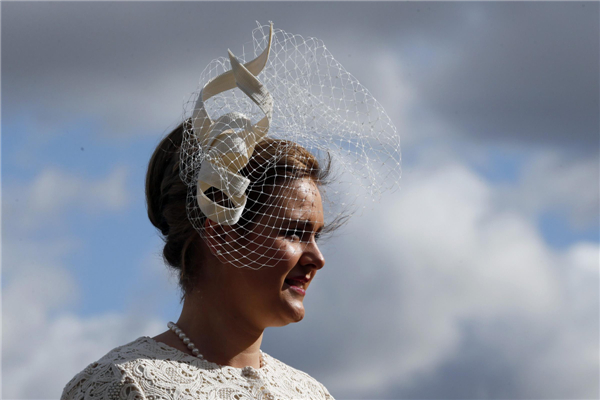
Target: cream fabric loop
<point>232,184</point>
<point>226,81</point>
<point>229,141</point>
<point>211,175</point>
<point>252,87</point>
<point>229,121</point>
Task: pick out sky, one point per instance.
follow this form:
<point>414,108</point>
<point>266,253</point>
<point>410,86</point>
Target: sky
<point>477,279</point>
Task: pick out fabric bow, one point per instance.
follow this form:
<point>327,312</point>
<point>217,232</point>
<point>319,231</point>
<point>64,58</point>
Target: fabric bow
<point>229,141</point>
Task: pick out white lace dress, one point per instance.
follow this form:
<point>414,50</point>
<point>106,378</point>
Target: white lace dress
<point>147,369</point>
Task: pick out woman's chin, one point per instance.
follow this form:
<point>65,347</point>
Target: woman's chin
<point>289,317</point>
<point>298,315</point>
<point>294,310</point>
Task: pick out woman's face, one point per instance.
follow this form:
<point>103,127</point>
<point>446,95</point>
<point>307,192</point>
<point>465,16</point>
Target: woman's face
<point>282,255</point>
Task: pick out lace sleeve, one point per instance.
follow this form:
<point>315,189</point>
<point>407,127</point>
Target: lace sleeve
<point>102,382</point>
<point>327,395</point>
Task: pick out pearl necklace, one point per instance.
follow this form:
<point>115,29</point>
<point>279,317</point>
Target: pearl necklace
<point>186,340</point>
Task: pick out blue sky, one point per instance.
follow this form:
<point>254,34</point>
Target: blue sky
<point>479,278</point>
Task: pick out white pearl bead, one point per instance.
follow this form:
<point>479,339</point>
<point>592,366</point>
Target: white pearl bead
<point>186,340</point>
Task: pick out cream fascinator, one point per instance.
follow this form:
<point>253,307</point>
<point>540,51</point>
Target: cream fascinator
<point>284,86</point>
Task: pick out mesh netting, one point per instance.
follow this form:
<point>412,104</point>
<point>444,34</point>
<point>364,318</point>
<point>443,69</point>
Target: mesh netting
<point>260,134</point>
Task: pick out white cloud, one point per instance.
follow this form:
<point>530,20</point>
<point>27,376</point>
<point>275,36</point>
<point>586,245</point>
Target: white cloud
<point>44,345</point>
<point>584,256</point>
<point>54,191</point>
<point>388,308</point>
<point>69,344</point>
<point>390,85</point>
<point>392,303</point>
<point>552,181</point>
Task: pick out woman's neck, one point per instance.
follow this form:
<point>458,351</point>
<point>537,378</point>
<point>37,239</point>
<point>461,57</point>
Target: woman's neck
<point>219,334</point>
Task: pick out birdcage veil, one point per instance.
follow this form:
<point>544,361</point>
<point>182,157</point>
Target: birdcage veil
<point>246,128</point>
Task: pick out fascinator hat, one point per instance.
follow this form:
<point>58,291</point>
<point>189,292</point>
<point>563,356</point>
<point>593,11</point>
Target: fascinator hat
<point>288,89</point>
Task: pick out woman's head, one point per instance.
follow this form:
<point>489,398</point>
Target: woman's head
<point>284,178</point>
<point>279,249</point>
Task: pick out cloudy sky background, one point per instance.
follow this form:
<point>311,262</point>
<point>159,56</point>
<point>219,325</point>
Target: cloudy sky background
<point>478,279</point>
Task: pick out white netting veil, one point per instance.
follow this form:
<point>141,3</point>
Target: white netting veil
<point>260,134</point>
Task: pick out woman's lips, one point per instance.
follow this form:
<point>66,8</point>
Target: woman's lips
<point>295,288</point>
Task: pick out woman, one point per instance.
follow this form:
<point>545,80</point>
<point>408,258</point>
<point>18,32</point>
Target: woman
<point>241,214</point>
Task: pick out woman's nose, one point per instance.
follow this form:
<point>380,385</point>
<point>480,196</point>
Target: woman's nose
<point>312,256</point>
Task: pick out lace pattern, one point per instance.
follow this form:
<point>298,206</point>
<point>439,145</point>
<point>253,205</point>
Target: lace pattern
<point>149,370</point>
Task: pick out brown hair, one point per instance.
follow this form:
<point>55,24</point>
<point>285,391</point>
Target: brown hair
<point>272,162</point>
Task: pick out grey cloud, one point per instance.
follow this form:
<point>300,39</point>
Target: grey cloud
<point>510,72</point>
<point>523,72</point>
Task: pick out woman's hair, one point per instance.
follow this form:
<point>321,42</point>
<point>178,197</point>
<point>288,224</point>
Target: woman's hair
<point>272,163</point>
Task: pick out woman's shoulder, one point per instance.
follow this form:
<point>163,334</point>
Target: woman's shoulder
<point>282,372</point>
<point>108,376</point>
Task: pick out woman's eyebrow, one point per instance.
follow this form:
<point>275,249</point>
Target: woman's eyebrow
<point>304,224</point>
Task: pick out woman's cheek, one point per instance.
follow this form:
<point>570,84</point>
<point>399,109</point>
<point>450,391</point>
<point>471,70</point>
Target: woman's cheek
<point>282,250</point>
<point>296,249</point>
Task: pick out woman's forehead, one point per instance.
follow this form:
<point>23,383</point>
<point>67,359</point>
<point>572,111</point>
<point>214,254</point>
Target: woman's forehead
<point>300,199</point>
<point>299,194</point>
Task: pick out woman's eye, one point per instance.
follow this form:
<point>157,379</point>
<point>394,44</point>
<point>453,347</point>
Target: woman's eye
<point>293,235</point>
